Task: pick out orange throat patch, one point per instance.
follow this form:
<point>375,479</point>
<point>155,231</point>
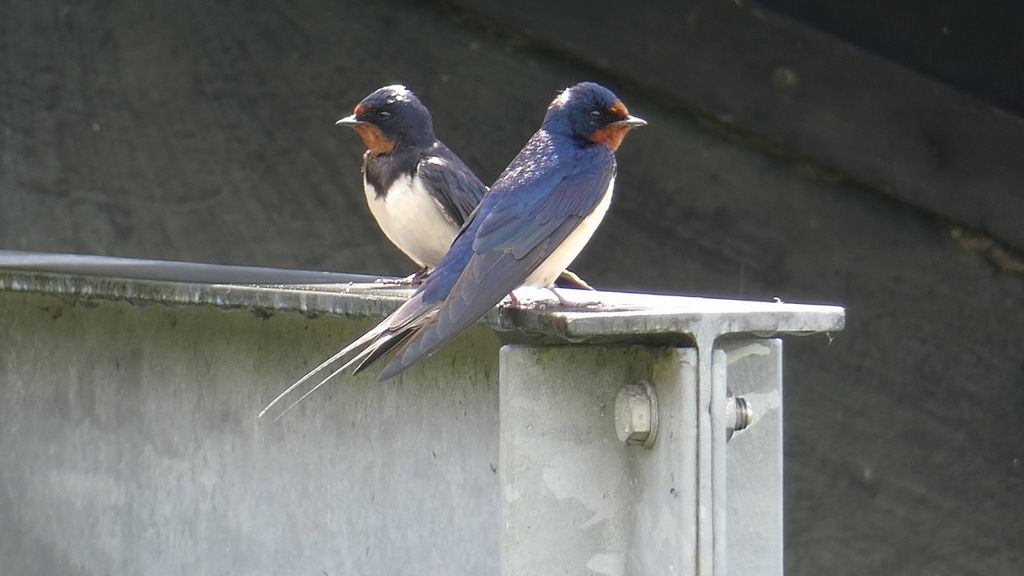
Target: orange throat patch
<point>611,135</point>
<point>374,139</point>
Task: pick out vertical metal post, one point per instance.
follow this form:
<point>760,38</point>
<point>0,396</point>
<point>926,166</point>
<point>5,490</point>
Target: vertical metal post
<point>754,510</point>
<point>577,500</point>
<point>710,477</point>
<point>664,538</point>
<point>562,470</point>
<point>719,380</point>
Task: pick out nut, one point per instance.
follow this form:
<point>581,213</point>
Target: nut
<point>636,414</point>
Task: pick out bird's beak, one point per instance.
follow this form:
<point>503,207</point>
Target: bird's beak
<point>632,122</point>
<point>349,121</point>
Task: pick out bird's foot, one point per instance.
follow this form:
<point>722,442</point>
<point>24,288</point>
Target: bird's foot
<point>541,298</point>
<point>571,298</point>
<point>511,300</point>
<point>412,280</point>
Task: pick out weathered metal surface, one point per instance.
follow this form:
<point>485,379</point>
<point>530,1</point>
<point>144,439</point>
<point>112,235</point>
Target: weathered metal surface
<point>567,488</point>
<point>147,269</point>
<point>619,316</point>
<point>578,501</point>
<point>130,445</point>
<point>130,399</point>
<point>627,316</point>
<point>754,460</point>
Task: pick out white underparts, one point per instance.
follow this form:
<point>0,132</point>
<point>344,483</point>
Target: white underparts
<point>413,220</point>
<point>546,274</point>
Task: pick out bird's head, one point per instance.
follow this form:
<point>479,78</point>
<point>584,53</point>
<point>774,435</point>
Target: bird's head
<point>391,117</point>
<point>591,112</point>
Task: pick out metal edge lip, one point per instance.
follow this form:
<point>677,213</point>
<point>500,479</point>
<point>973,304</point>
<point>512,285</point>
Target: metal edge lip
<point>345,300</point>
<point>167,270</point>
<point>620,315</point>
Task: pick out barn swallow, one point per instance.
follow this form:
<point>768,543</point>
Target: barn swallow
<point>419,191</point>
<point>536,219</point>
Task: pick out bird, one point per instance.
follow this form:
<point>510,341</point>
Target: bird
<point>535,220</point>
<point>419,191</point>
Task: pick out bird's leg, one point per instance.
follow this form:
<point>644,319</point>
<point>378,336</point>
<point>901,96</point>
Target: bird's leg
<point>513,299</point>
<point>535,300</point>
<point>569,279</point>
<point>520,301</point>
<point>419,276</point>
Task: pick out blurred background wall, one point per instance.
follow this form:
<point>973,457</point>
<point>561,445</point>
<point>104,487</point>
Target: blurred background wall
<point>867,154</point>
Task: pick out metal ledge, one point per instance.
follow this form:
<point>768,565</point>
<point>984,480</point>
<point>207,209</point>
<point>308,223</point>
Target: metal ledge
<point>622,316</point>
<point>174,393</point>
<point>618,316</point>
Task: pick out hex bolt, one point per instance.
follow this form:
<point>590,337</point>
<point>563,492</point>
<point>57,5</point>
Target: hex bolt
<point>738,414</point>
<point>636,414</point>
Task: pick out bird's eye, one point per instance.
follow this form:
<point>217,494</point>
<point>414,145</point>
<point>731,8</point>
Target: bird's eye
<point>596,113</point>
<point>383,114</point>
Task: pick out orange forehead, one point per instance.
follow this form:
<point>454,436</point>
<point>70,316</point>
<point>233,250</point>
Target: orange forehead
<point>619,109</point>
<point>359,110</point>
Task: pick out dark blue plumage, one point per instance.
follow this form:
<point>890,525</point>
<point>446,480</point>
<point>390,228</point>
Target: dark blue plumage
<point>537,217</point>
<point>419,191</point>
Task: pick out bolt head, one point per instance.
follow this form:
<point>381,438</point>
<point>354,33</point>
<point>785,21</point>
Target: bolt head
<point>634,414</point>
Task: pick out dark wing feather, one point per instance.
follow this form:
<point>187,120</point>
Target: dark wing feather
<point>484,283</point>
<point>560,185</point>
<point>381,347</point>
<point>556,203</point>
<point>451,182</point>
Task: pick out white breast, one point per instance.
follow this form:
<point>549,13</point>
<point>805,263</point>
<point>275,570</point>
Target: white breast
<point>546,274</point>
<point>413,220</point>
